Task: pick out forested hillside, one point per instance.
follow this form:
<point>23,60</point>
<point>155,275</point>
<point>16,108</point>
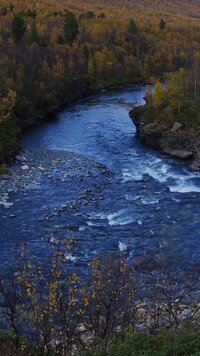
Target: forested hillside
<point>149,10</point>
<point>53,52</point>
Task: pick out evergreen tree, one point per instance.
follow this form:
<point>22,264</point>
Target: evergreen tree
<point>162,24</point>
<point>33,36</point>
<point>90,15</point>
<point>70,28</point>
<point>132,27</point>
<point>101,16</point>
<point>4,10</point>
<point>60,40</point>
<point>86,51</point>
<point>18,28</point>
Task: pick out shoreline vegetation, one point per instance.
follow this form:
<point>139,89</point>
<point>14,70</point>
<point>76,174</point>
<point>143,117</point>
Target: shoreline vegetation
<point>170,120</point>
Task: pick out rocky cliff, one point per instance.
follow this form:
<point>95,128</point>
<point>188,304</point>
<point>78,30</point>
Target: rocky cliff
<point>175,141</point>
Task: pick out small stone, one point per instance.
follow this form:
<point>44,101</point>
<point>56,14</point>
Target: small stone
<point>25,167</point>
<point>5,176</point>
<point>85,202</point>
<point>181,154</point>
<point>21,158</point>
<point>177,126</point>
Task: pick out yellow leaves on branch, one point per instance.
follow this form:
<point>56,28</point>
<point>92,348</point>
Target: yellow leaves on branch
<point>85,302</point>
<point>74,278</point>
<point>7,104</point>
<point>29,293</point>
<point>171,95</point>
<point>58,69</point>
<point>158,95</point>
<point>80,312</point>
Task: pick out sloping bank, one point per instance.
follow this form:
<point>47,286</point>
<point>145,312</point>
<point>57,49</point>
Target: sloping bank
<point>174,140</point>
<point>11,130</point>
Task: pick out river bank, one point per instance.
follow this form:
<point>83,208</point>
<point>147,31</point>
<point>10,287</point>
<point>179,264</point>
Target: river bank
<point>175,140</point>
<point>12,130</point>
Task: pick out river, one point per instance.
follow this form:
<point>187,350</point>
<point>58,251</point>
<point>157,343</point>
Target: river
<point>89,174</point>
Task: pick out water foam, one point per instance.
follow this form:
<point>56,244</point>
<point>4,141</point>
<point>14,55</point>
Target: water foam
<point>186,187</point>
<point>89,223</point>
<point>149,201</point>
<point>120,218</point>
<point>132,198</point>
<point>122,246</point>
<point>69,257</point>
<point>82,228</point>
<point>178,181</point>
<point>128,176</point>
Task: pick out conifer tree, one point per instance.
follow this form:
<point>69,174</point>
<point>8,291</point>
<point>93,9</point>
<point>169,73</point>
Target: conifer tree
<point>70,28</point>
<point>18,28</point>
<point>162,24</point>
<point>132,27</point>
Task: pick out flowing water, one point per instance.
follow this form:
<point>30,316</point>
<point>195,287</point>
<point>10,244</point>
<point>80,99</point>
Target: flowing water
<point>116,195</point>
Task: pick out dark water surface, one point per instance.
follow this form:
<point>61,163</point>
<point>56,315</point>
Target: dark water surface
<point>115,194</point>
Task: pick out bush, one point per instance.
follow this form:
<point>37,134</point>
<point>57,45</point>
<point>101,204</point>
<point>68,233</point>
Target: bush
<point>165,344</point>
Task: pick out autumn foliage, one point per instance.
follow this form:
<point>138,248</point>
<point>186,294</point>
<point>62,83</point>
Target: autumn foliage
<point>54,310</point>
<point>52,51</point>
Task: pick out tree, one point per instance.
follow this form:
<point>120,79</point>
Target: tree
<point>4,10</point>
<point>132,27</point>
<point>18,28</point>
<point>60,40</point>
<point>86,51</point>
<point>90,15</point>
<point>70,28</point>
<point>7,104</point>
<point>33,36</point>
<point>196,68</point>
<point>175,93</point>
<point>101,16</point>
<point>162,24</point>
<point>158,95</point>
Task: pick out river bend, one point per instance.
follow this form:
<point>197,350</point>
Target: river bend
<point>88,173</point>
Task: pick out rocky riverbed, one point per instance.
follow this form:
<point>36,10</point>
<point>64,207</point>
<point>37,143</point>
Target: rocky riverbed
<point>58,182</point>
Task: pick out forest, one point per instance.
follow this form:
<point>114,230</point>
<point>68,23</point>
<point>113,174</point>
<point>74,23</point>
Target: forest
<point>53,52</point>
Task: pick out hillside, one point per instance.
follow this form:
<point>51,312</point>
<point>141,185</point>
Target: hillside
<point>175,12</point>
<point>53,52</point>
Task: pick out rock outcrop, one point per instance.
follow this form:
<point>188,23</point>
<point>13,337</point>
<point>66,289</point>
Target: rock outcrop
<point>174,141</point>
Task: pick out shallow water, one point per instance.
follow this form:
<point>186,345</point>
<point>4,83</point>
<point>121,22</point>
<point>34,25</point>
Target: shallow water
<point>128,199</point>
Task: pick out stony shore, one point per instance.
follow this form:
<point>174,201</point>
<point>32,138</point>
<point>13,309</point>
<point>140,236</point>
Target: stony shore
<point>174,141</point>
<point>35,173</point>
